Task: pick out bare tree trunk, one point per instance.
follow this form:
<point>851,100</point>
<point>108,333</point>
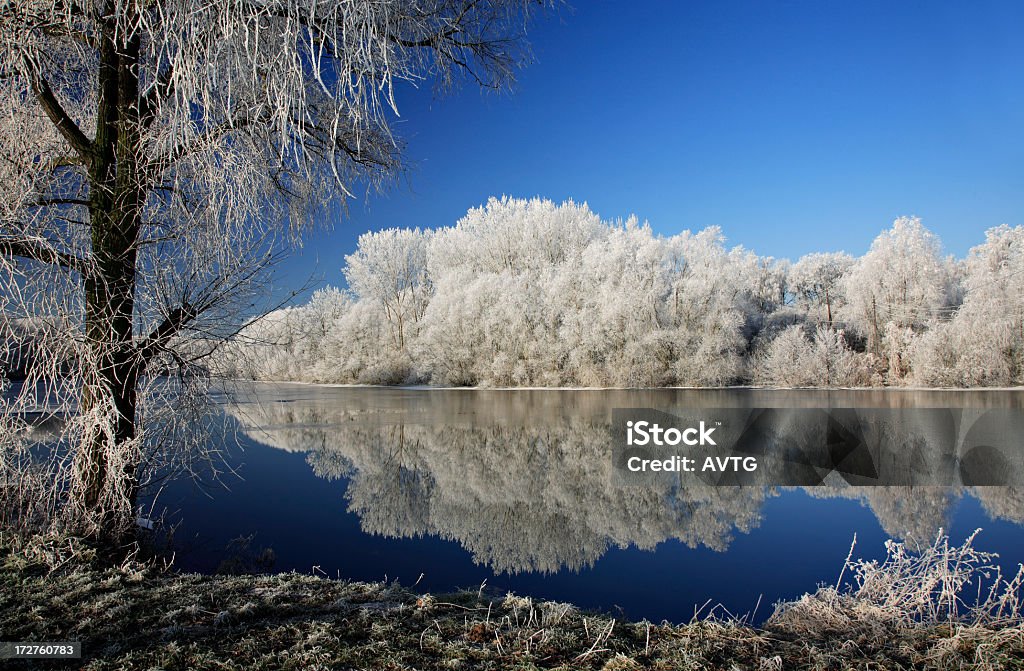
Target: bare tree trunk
<point>874,344</point>
<point>116,196</point>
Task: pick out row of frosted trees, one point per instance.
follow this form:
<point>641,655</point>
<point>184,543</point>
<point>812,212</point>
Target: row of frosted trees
<point>527,292</point>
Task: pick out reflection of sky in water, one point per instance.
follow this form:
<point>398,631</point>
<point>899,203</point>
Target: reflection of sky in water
<point>511,487</point>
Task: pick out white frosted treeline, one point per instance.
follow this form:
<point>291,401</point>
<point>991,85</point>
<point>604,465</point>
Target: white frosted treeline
<point>530,293</point>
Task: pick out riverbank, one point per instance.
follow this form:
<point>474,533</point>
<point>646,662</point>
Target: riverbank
<point>228,381</point>
<point>143,616</point>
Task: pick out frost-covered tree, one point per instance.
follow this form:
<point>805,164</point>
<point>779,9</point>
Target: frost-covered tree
<point>768,280</point>
<point>616,337</point>
<point>642,310</point>
<point>707,306</point>
<point>903,279</point>
<point>503,299</point>
<point>154,153</point>
<point>816,281</point>
<point>496,313</point>
<point>984,342</point>
<point>902,286</point>
<point>390,268</point>
<point>514,234</point>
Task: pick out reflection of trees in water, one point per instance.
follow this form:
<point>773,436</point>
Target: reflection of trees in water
<point>911,513</point>
<point>915,514</point>
<point>519,498</point>
<point>529,486</point>
<point>1003,503</point>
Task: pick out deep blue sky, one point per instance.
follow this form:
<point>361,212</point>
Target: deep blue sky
<point>795,126</point>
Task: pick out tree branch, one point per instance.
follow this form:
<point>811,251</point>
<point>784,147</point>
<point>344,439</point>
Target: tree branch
<point>177,319</point>
<point>157,93</point>
<point>39,250</point>
<point>65,161</point>
<point>64,123</point>
<point>47,202</point>
<point>454,27</point>
<point>212,135</point>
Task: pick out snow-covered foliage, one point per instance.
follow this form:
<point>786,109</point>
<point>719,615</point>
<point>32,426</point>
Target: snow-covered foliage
<point>521,292</point>
<point>983,344</point>
<point>902,279</point>
<point>816,283</point>
<point>390,270</point>
<point>530,293</point>
<point>824,360</point>
<point>902,286</point>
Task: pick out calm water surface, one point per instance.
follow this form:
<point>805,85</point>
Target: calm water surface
<point>453,488</point>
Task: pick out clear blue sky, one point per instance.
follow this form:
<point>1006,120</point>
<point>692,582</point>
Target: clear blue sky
<point>795,126</point>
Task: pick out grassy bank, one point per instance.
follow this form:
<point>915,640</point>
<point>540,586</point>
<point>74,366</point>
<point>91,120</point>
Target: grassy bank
<point>141,616</point>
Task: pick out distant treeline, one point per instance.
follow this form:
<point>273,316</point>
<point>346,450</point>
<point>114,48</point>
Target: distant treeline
<point>527,292</point>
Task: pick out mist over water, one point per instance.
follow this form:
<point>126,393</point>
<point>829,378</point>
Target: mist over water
<point>521,488</point>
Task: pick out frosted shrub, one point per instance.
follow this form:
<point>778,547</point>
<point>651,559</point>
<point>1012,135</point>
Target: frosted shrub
<point>931,585</point>
<point>938,584</point>
<point>394,368</point>
<point>710,356</point>
<point>956,354</point>
<point>794,360</point>
<point>784,360</point>
<point>835,363</point>
<point>935,358</point>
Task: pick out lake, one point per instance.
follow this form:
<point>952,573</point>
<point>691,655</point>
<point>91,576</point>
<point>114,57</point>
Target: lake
<point>526,490</point>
